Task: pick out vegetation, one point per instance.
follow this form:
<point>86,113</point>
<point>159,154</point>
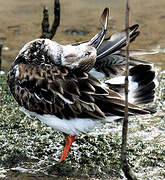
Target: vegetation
<point>30,147</point>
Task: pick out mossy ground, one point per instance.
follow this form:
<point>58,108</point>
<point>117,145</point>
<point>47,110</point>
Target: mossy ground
<point>31,150</point>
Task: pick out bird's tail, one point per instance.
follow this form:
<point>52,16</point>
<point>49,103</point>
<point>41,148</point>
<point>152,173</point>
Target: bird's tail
<point>116,41</point>
<point>141,84</point>
<point>97,40</point>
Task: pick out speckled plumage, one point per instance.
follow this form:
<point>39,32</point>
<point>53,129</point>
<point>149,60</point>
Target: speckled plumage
<point>44,87</point>
<point>58,83</point>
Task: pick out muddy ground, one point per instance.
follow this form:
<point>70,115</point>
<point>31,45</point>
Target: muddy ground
<point>20,22</point>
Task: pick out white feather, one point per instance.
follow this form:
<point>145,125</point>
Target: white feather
<point>96,74</point>
<point>116,80</point>
<point>37,96</point>
<point>65,99</point>
<point>72,127</point>
<point>17,71</point>
<point>132,86</point>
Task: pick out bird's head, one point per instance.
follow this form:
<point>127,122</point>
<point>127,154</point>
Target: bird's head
<point>81,57</point>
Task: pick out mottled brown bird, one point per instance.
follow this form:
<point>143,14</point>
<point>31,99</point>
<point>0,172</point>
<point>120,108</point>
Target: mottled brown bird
<point>69,87</point>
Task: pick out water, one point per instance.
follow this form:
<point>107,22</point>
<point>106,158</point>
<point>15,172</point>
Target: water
<point>21,22</point>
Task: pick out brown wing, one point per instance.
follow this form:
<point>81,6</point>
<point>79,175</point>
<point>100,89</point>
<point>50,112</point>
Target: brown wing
<point>46,89</point>
<point>114,64</point>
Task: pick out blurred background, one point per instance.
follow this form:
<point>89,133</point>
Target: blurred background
<point>20,22</point>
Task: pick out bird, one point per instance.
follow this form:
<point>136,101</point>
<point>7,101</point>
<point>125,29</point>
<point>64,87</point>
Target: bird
<point>75,88</point>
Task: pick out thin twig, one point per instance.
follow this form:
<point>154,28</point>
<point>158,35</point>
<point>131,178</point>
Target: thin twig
<point>56,21</point>
<point>45,22</point>
<point>125,166</point>
<point>46,33</point>
<point>1,46</point>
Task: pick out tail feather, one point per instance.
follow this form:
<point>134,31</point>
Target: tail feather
<point>144,80</point>
<point>116,42</point>
<point>141,84</point>
<point>134,61</point>
<point>145,98</point>
<point>96,41</point>
<point>114,64</point>
<point>116,106</point>
<point>110,60</point>
<point>123,44</point>
<point>146,88</point>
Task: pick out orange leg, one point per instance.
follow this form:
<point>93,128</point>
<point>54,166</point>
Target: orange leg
<point>68,142</point>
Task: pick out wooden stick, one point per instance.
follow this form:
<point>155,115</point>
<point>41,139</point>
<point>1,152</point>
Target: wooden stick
<point>46,33</point>
<point>125,166</point>
<point>45,22</point>
<point>56,21</point>
<point>1,46</point>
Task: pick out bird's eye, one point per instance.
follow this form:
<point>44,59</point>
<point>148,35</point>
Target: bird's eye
<point>87,53</point>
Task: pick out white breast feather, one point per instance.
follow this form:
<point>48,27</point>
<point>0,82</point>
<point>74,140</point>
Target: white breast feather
<point>72,127</point>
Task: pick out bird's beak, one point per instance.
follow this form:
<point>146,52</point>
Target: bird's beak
<point>98,38</point>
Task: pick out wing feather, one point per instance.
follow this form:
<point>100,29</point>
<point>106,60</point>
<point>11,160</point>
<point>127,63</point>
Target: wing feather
<point>48,90</point>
